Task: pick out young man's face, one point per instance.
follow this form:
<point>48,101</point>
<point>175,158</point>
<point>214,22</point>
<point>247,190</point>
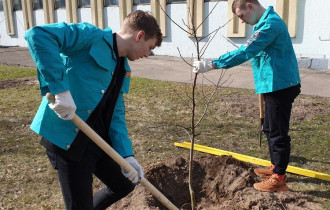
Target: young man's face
<point>141,48</point>
<point>247,15</point>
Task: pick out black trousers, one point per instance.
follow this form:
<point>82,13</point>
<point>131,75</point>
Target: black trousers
<point>278,106</point>
<point>76,179</point>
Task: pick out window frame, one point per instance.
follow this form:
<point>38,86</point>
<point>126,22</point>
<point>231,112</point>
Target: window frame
<point>37,4</point>
<point>59,4</point>
<point>107,3</point>
<point>81,4</point>
<point>17,3</point>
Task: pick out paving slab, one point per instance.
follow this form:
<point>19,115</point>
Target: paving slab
<point>18,56</point>
<point>169,68</point>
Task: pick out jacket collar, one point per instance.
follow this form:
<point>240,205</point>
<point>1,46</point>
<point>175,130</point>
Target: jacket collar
<point>266,13</point>
<point>101,51</point>
<point>108,37</point>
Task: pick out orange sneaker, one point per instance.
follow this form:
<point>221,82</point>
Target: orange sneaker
<point>275,183</point>
<point>264,172</point>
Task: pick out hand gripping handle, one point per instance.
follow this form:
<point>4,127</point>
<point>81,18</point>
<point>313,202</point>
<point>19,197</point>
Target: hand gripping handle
<point>115,156</point>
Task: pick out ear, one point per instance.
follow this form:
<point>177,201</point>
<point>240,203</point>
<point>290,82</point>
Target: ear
<point>249,5</point>
<point>139,35</point>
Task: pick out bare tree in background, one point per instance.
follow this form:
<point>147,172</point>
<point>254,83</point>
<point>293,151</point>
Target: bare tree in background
<point>191,30</point>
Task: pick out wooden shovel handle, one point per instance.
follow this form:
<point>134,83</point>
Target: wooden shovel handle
<point>82,125</point>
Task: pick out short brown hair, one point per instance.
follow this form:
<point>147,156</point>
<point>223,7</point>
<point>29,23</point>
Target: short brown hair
<point>242,4</point>
<point>141,20</point>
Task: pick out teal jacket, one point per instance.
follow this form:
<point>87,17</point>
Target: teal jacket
<point>274,62</point>
<point>79,58</point>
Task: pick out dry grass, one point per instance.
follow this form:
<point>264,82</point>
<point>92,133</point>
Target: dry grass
<point>156,116</point>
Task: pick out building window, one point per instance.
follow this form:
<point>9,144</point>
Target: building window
<point>84,3</point>
<point>59,4</point>
<point>110,2</point>
<point>135,2</point>
<point>37,4</point>
<point>175,1</point>
<point>17,4</point>
<point>1,6</point>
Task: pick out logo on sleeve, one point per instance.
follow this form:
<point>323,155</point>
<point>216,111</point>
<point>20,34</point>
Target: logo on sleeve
<point>248,42</point>
<point>256,35</point>
<point>252,38</point>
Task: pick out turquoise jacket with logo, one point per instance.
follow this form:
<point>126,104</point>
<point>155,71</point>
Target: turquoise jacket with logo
<point>274,62</point>
<point>79,58</point>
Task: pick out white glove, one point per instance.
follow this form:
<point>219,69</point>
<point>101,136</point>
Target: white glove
<point>64,105</point>
<point>133,175</point>
<point>202,66</point>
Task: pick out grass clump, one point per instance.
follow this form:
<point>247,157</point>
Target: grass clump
<point>13,72</point>
<point>157,115</point>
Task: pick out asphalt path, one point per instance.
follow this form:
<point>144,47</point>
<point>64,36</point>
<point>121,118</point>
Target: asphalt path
<point>168,68</point>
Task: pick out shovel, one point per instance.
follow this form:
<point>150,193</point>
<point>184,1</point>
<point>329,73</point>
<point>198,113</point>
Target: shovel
<point>262,117</point>
<point>115,156</point>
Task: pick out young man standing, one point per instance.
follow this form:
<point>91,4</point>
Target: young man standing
<point>86,68</point>
<point>276,76</point>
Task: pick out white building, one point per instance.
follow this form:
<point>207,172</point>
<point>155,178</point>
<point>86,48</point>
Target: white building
<point>308,23</point>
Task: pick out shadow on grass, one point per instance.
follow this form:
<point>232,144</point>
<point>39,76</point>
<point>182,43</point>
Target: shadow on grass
<point>320,194</point>
<point>303,160</point>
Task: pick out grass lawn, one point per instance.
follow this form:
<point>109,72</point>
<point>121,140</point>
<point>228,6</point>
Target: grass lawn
<point>157,114</point>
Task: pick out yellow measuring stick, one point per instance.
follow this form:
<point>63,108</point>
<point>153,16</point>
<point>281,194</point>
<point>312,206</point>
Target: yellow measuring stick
<point>254,160</point>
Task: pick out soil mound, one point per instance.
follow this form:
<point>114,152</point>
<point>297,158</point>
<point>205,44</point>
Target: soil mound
<point>220,182</point>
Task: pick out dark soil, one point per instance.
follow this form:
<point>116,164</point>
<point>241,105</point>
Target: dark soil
<point>220,182</point>
<point>15,83</point>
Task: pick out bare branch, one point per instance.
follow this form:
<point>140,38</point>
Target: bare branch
<point>204,37</point>
<point>216,30</point>
<point>207,16</point>
<point>226,81</point>
<point>203,85</point>
<point>209,41</point>
<point>187,131</point>
<point>172,19</point>
<point>230,41</point>
<point>209,80</point>
<point>182,99</point>
<point>187,94</point>
<point>181,128</point>
<point>183,58</point>
<point>209,99</point>
<point>192,31</point>
<point>186,25</point>
<point>172,132</point>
